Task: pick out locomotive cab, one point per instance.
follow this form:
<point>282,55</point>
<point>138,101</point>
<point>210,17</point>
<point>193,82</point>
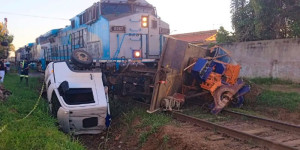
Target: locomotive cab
<point>136,32</point>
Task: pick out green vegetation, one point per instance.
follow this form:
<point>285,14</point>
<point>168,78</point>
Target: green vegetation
<point>290,101</point>
<point>5,38</point>
<point>223,36</point>
<point>269,81</point>
<point>166,138</point>
<point>149,123</point>
<point>265,20</point>
<point>38,131</point>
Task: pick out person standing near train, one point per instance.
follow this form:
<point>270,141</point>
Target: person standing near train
<point>2,71</point>
<point>24,70</point>
<point>7,65</point>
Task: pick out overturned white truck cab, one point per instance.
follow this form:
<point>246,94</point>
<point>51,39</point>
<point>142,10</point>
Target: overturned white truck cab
<point>77,98</point>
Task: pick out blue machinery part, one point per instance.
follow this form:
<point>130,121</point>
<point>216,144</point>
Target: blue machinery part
<point>240,96</point>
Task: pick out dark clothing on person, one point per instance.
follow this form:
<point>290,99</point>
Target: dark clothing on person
<point>2,71</point>
<point>24,71</point>
<point>2,66</point>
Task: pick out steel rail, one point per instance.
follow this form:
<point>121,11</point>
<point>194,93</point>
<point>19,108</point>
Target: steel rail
<point>229,132</point>
<point>233,133</point>
<point>267,122</point>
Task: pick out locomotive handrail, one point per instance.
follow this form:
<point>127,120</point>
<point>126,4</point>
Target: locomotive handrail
<point>120,45</point>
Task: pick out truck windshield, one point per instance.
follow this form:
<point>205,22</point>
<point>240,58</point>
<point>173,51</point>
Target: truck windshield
<point>221,54</point>
<point>76,96</point>
<point>107,9</point>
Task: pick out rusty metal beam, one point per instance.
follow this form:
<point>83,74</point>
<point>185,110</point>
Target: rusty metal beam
<point>196,95</point>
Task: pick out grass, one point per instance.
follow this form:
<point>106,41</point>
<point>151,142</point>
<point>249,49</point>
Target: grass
<point>149,123</point>
<point>38,131</point>
<point>290,101</point>
<point>269,81</point>
<point>136,120</point>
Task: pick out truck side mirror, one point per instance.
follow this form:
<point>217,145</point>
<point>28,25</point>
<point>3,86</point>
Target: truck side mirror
<point>63,88</point>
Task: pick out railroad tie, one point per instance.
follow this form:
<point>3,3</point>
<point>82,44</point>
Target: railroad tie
<point>257,131</point>
<point>293,143</point>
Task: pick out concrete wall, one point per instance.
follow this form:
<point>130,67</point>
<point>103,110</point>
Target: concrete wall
<point>270,58</point>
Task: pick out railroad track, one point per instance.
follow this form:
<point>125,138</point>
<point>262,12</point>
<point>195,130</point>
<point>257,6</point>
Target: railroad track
<point>277,137</point>
<point>263,132</point>
<point>266,122</point>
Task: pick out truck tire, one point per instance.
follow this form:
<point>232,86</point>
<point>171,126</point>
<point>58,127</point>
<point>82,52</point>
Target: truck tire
<point>81,58</point>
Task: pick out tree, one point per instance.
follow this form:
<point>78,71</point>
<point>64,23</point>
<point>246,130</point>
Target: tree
<point>5,40</point>
<point>243,20</point>
<point>223,36</point>
<point>265,19</point>
<point>270,20</point>
<point>4,50</point>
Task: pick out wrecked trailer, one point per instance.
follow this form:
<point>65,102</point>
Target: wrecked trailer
<point>188,71</point>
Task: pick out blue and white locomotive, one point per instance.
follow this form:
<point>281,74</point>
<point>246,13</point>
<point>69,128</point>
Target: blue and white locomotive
<point>109,30</point>
<point>124,37</point>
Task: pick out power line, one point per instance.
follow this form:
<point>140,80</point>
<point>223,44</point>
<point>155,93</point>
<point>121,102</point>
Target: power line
<point>43,17</point>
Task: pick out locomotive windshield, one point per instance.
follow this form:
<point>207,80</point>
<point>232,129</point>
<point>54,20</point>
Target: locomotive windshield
<point>108,8</point>
<point>145,9</point>
<point>113,8</point>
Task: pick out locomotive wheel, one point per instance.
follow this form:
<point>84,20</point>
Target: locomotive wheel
<point>81,58</point>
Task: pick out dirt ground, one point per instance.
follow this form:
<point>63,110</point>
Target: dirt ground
<point>279,114</point>
<point>189,137</point>
<point>275,113</point>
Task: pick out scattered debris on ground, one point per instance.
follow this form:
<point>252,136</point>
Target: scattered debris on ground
<point>252,97</point>
<point>4,94</point>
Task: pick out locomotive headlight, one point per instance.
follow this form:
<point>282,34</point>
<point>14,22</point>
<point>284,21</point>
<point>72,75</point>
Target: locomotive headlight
<point>137,54</point>
<point>145,21</point>
<point>145,24</point>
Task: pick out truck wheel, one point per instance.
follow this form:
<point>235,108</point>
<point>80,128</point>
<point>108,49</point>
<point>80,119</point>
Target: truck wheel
<point>81,58</point>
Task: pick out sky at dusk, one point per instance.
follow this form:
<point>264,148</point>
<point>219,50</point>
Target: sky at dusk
<point>28,19</point>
